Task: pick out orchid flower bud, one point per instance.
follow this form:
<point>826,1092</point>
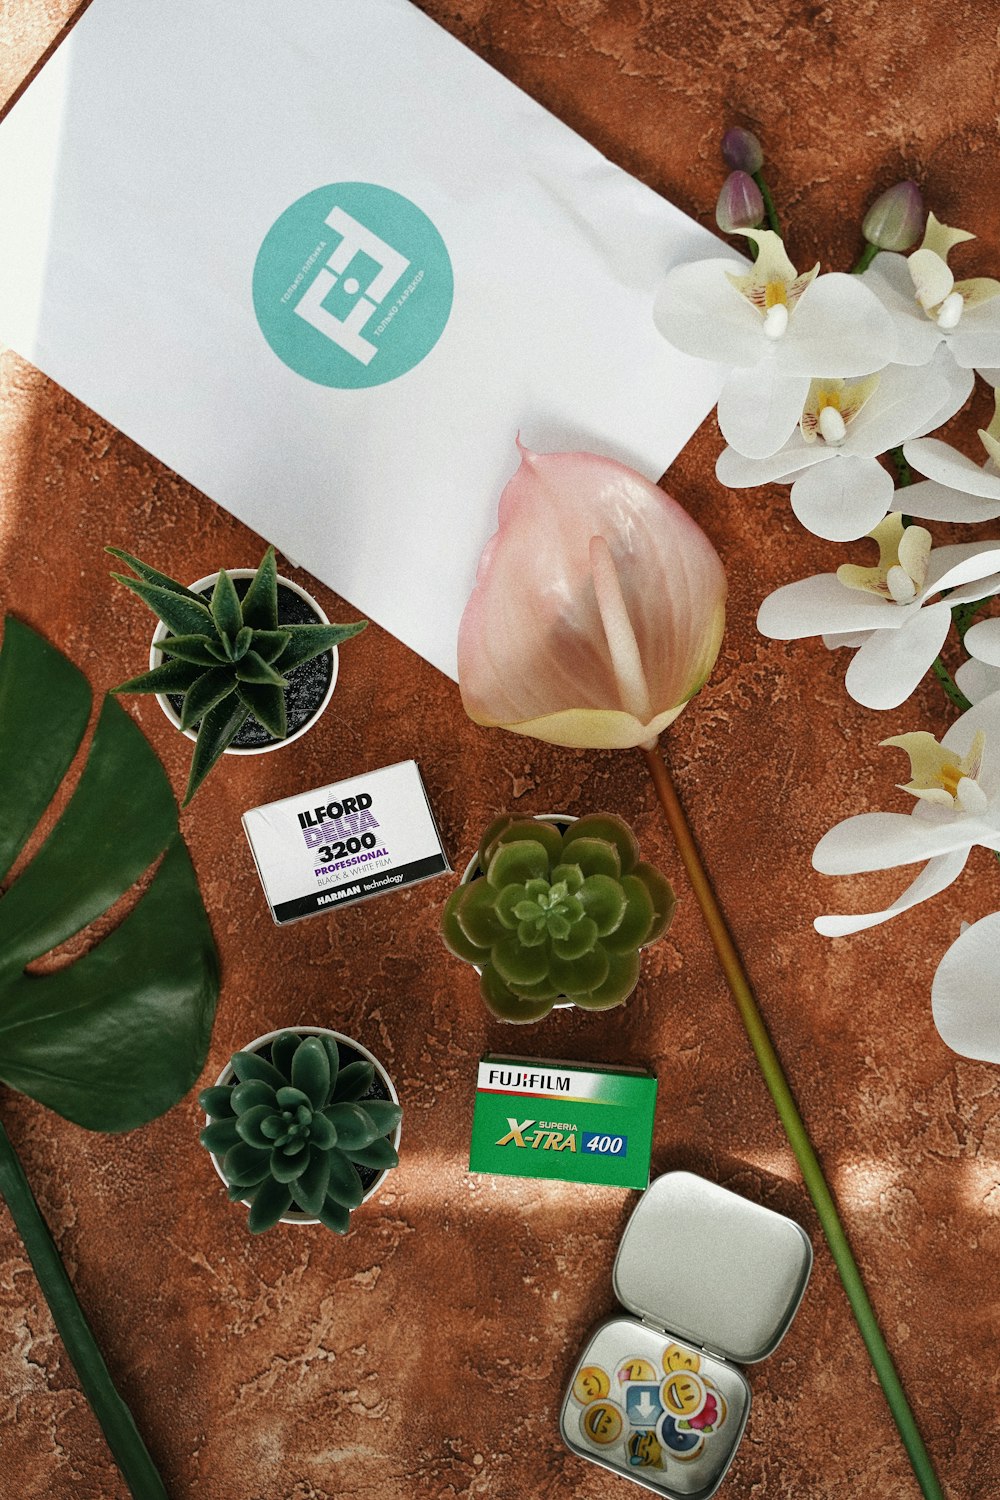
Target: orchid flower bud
<point>742,151</point>
<point>598,608</point>
<point>740,204</point>
<point>896,218</point>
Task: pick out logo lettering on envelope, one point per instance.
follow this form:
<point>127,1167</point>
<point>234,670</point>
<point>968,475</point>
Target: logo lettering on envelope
<point>352,286</point>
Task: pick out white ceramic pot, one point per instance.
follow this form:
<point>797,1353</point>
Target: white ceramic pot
<point>156,657</point>
<point>296,1216</point>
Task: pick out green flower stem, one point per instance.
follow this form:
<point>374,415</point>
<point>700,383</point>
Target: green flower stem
<point>769,208</point>
<point>794,1127</point>
<point>904,474</point>
<point>127,1447</point>
<point>864,260</point>
<point>949,686</point>
<point>964,614</point>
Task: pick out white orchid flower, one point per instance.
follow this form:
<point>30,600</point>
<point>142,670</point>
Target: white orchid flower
<point>980,675</point>
<point>776,329</point>
<point>965,994</point>
<point>956,787</point>
<point>992,377</point>
<point>956,487</point>
<point>888,613</point>
<point>928,305</point>
<point>839,489</point>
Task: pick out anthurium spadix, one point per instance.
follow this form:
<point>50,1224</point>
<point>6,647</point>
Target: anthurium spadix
<point>956,791</point>
<point>890,615</point>
<point>928,305</point>
<point>777,329</point>
<point>839,489</point>
<point>598,608</point>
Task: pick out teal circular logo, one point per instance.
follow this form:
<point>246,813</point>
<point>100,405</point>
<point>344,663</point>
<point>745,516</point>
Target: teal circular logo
<point>352,286</point>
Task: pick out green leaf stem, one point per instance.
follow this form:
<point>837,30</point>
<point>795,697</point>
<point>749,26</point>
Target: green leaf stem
<point>794,1127</point>
<point>117,1423</point>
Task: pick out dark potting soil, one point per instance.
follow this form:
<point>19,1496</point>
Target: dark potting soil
<point>307,683</point>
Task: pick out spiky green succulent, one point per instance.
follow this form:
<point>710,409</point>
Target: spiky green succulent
<point>557,913</point>
<point>292,1132</point>
<point>228,657</point>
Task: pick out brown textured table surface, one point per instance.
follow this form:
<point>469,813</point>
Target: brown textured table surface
<point>425,1355</point>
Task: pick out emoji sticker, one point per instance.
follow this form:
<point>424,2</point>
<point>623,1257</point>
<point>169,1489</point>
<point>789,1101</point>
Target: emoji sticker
<point>676,1358</point>
<point>678,1440</point>
<point>712,1414</point>
<point>683,1393</point>
<point>635,1369</point>
<point>642,1404</point>
<point>644,1452</point>
<point>602,1423</point>
<point>591,1384</point>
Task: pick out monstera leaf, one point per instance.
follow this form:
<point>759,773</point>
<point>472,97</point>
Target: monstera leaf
<point>115,1038</point>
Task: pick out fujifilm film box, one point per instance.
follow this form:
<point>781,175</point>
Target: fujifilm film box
<point>345,842</point>
<point>575,1122</point>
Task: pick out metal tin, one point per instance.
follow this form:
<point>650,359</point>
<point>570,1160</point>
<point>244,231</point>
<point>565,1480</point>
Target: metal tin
<point>711,1278</point>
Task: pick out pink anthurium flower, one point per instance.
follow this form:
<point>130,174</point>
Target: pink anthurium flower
<point>598,608</point>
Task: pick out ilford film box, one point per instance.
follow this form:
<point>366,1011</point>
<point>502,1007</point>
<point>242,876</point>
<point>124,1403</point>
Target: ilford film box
<point>344,842</point>
<point>573,1121</point>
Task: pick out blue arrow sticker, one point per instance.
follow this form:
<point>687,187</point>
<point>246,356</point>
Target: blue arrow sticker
<point>642,1405</point>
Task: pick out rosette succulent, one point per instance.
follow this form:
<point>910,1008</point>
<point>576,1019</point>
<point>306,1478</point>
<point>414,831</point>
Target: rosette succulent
<point>227,657</point>
<point>295,1131</point>
<point>557,912</point>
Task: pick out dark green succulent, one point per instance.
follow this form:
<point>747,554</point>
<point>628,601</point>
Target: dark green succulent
<point>557,913</point>
<point>228,657</point>
<point>297,1132</point>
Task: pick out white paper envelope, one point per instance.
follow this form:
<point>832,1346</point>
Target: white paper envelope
<point>326,264</point>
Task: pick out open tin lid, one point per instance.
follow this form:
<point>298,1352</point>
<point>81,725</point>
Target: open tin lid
<point>719,1271</point>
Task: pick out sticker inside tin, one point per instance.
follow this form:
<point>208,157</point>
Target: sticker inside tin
<point>655,1410</point>
<point>715,1269</point>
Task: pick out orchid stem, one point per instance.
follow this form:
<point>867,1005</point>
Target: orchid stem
<point>769,209</point>
<point>865,259</point>
<point>127,1447</point>
<point>949,686</point>
<point>904,474</point>
<point>964,614</point>
<point>795,1130</point>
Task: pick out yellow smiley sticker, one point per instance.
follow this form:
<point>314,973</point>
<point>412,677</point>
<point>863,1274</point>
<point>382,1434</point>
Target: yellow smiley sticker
<point>644,1452</point>
<point>591,1384</point>
<point>602,1423</point>
<point>636,1369</point>
<point>676,1358</point>
<point>683,1393</point>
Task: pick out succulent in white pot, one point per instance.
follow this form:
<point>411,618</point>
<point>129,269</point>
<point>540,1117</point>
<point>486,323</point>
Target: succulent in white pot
<point>303,1125</point>
<point>242,661</point>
